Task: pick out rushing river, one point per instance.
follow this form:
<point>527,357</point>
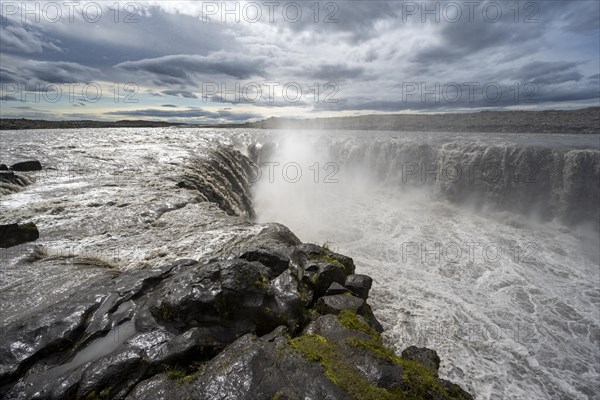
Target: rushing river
<point>484,247</point>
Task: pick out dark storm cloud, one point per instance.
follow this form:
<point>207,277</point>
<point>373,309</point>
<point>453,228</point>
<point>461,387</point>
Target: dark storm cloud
<point>355,19</point>
<point>333,72</point>
<point>23,39</point>
<point>261,102</point>
<point>60,72</point>
<point>496,96</point>
<point>548,73</point>
<point>184,68</point>
<point>459,41</point>
<point>7,76</point>
<point>193,113</point>
<point>367,47</point>
<point>179,93</point>
<point>106,43</point>
<point>575,16</point>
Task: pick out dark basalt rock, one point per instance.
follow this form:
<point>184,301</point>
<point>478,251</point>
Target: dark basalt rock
<point>322,274</point>
<point>337,303</point>
<point>241,328</point>
<point>250,368</point>
<point>340,302</point>
<point>380,372</point>
<point>359,284</point>
<point>275,259</point>
<point>335,288</point>
<point>422,355</point>
<point>15,234</point>
<point>236,295</point>
<point>9,177</point>
<point>3,167</point>
<point>26,166</point>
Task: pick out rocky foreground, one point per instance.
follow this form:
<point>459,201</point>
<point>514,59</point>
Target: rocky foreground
<point>269,318</point>
<point>281,320</point>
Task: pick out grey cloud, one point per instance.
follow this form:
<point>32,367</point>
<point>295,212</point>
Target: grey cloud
<point>575,16</point>
<point>538,94</point>
<point>23,39</point>
<point>193,113</point>
<point>370,50</point>
<point>180,93</point>
<point>548,72</point>
<point>334,72</point>
<point>7,76</point>
<point>262,102</point>
<point>184,68</point>
<point>459,41</point>
<point>60,72</point>
<point>355,19</point>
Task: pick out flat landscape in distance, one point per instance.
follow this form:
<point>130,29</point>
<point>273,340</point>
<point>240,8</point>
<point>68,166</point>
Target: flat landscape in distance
<point>582,121</point>
<point>22,123</point>
<point>585,120</point>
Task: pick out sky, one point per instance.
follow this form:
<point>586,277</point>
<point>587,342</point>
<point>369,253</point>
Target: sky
<point>213,62</point>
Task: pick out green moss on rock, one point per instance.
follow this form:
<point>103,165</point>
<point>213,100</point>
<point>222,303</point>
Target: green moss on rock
<point>349,319</point>
<point>419,381</point>
<point>341,372</point>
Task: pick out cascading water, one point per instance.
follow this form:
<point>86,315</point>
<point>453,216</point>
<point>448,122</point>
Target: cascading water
<point>483,247</point>
<point>496,268</point>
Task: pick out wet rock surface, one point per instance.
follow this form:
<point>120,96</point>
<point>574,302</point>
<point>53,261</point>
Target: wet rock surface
<point>359,284</point>
<point>422,355</point>
<point>27,166</point>
<point>11,182</point>
<point>246,326</point>
<point>15,234</point>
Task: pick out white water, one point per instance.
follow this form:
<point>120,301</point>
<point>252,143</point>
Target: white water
<point>510,302</point>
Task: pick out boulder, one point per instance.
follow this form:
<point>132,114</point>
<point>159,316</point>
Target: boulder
<point>3,167</point>
<point>320,275</point>
<point>340,302</point>
<point>15,234</point>
<point>422,355</point>
<point>359,284</point>
<point>237,296</point>
<point>335,288</point>
<point>275,259</point>
<point>26,166</point>
<point>337,303</point>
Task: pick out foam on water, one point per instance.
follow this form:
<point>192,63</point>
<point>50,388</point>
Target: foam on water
<point>505,288</point>
<point>509,302</point>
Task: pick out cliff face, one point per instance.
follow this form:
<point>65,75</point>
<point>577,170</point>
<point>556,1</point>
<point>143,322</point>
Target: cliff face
<point>266,317</point>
